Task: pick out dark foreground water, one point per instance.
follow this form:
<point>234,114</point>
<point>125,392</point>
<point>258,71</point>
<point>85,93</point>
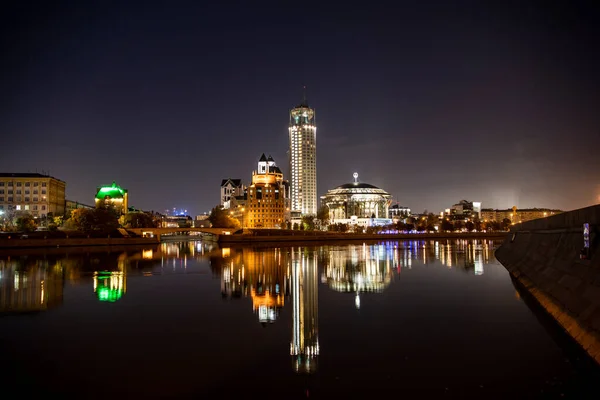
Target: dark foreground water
<point>409,319</point>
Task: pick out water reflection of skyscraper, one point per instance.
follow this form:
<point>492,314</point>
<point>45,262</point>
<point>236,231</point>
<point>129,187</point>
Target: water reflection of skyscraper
<point>30,287</point>
<point>304,347</point>
<point>360,269</point>
<point>259,274</point>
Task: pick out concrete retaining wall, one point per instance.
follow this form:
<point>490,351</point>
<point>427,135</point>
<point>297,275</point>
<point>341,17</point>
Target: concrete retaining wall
<point>315,236</point>
<point>544,255</point>
<point>30,243</point>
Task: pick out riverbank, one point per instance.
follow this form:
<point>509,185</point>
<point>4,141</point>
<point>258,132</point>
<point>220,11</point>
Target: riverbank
<point>18,243</point>
<point>316,236</point>
<point>560,269</point>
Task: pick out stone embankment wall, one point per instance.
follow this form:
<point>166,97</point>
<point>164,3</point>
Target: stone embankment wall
<point>71,242</point>
<point>545,255</point>
<point>316,236</point>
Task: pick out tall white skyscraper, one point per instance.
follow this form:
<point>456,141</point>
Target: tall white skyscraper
<point>303,159</point>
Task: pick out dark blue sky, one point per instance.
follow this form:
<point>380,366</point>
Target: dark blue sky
<point>431,101</point>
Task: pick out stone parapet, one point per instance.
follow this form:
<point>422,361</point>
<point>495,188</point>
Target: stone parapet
<point>546,256</point>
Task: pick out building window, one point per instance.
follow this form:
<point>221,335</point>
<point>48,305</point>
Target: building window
<point>10,192</point>
<point>27,199</point>
<point>1,198</point>
<point>26,207</point>
<point>35,199</point>
<point>10,199</point>
<point>35,191</point>
<point>43,208</point>
<point>35,183</point>
<point>18,191</point>
<point>43,184</point>
<point>18,184</point>
<point>35,207</point>
<point>1,183</point>
<point>43,191</point>
<point>18,207</point>
<point>27,184</point>
<point>26,191</point>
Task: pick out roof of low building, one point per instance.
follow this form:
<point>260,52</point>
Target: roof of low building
<point>234,182</point>
<point>26,175</point>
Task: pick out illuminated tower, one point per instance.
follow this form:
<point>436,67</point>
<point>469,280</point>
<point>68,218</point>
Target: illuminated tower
<point>303,159</point>
<point>304,347</point>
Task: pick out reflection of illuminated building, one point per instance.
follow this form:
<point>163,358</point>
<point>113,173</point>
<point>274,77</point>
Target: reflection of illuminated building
<point>109,285</point>
<point>34,288</point>
<point>305,337</point>
<point>468,253</point>
<point>360,269</point>
<point>258,274</point>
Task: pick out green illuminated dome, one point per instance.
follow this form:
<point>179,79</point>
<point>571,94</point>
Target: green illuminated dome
<point>112,192</point>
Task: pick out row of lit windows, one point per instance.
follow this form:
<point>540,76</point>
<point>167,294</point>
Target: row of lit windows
<point>26,207</point>
<point>19,184</point>
<point>19,198</point>
<point>18,191</point>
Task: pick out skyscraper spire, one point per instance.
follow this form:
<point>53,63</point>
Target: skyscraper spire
<point>304,103</point>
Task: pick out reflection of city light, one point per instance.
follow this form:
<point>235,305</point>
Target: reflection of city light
<point>147,254</point>
<point>357,301</point>
<point>109,286</point>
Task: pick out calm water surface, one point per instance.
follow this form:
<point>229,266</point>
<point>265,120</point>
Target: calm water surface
<point>408,319</point>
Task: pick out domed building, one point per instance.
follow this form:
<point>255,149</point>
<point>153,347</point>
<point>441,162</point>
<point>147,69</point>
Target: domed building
<point>358,203</point>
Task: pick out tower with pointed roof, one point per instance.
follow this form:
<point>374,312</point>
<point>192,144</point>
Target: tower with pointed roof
<point>267,201</point>
<point>303,159</point>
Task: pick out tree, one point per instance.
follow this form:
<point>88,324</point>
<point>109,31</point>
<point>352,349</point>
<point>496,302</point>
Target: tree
<point>470,226</point>
<point>323,215</point>
<point>100,219</point>
<point>140,220</point>
<point>296,227</point>
<point>26,223</point>
<point>447,226</point>
<point>506,224</point>
<point>220,218</point>
<point>308,222</point>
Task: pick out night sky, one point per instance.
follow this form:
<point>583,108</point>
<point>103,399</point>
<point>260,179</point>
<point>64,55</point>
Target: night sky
<point>433,102</point>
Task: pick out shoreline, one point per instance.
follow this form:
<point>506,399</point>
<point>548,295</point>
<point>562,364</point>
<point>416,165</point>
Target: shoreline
<point>329,237</point>
<point>312,237</point>
<point>9,244</point>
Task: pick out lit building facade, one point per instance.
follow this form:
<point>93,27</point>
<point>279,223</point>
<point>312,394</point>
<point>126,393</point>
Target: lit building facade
<point>303,159</point>
<point>231,188</point>
<point>358,203</point>
<point>465,210</point>
<point>397,212</point>
<point>304,347</point>
<point>516,215</point>
<point>71,206</point>
<point>267,202</point>
<point>34,194</point>
<point>113,195</point>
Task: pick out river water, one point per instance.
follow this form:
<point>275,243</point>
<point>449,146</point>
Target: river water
<point>407,319</point>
